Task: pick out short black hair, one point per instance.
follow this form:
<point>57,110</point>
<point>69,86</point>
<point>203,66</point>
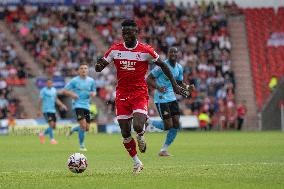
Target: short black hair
<point>128,22</point>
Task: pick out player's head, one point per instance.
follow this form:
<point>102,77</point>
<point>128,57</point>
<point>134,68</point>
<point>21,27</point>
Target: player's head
<point>83,69</point>
<point>49,83</point>
<point>173,54</point>
<point>129,31</point>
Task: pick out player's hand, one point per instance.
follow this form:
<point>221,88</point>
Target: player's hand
<point>162,89</point>
<point>181,91</point>
<point>64,107</point>
<point>93,94</point>
<point>74,96</point>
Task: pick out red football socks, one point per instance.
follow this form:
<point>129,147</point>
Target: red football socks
<point>130,146</point>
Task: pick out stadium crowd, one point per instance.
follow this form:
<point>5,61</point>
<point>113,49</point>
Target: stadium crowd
<point>52,37</point>
<point>12,73</point>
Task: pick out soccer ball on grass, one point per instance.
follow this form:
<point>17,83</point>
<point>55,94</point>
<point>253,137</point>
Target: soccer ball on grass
<point>77,163</point>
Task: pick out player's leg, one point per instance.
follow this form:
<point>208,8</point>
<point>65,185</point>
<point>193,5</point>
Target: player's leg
<point>172,124</point>
<point>159,124</point>
<point>168,123</point>
<point>73,130</point>
<point>129,143</point>
<point>165,124</point>
<point>172,133</point>
<point>124,117</point>
<point>81,133</point>
<point>80,112</point>
<point>50,119</point>
<point>139,120</point>
<point>140,115</point>
<point>52,126</point>
<point>84,127</point>
<point>164,112</point>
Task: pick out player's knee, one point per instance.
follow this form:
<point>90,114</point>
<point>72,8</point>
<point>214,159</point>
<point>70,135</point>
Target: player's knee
<point>168,124</point>
<point>125,134</point>
<point>83,126</point>
<point>138,125</point>
<point>52,124</point>
<point>176,124</point>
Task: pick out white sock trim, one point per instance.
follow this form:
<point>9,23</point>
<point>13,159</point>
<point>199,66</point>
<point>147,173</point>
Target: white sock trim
<point>165,147</point>
<point>127,140</point>
<point>136,159</point>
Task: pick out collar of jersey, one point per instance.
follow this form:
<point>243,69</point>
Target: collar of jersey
<point>130,48</point>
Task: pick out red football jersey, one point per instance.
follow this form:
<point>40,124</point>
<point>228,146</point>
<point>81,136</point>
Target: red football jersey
<point>131,65</point>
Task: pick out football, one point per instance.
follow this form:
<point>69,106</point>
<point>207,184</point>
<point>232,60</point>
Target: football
<point>77,163</point>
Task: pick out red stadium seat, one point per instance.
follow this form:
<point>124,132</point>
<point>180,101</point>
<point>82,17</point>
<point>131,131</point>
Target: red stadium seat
<point>265,61</point>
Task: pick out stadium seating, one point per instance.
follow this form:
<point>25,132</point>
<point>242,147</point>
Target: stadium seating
<point>52,38</point>
<point>12,73</point>
<point>266,61</point>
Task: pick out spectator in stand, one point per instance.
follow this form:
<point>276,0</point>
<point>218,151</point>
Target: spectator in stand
<point>242,110</point>
<point>204,120</point>
<point>273,83</point>
<point>3,106</point>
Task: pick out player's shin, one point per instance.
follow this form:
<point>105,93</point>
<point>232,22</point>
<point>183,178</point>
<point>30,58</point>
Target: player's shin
<point>51,135</point>
<point>130,145</point>
<point>172,133</point>
<point>81,137</point>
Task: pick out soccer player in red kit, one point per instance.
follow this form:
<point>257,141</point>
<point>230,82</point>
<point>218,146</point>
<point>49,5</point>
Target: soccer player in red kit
<point>131,59</point>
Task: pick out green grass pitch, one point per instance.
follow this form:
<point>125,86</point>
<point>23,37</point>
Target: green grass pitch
<point>229,160</point>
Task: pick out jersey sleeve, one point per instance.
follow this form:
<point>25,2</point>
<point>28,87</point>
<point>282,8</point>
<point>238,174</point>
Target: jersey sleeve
<point>93,86</point>
<point>55,91</point>
<point>70,85</point>
<point>156,72</point>
<point>153,55</point>
<point>180,74</point>
<point>109,55</point>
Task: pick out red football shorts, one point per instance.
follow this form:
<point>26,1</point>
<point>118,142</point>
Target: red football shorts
<point>130,103</point>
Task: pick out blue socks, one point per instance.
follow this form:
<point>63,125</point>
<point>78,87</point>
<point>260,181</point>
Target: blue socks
<point>81,137</point>
<point>172,133</point>
<point>49,131</point>
<point>75,129</point>
<point>159,124</point>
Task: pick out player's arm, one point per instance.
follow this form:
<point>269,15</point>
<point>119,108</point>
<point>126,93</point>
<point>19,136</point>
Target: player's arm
<point>151,81</point>
<point>68,90</point>
<point>101,64</point>
<point>93,92</point>
<point>167,72</point>
<point>61,105</point>
<point>104,61</point>
<point>70,93</point>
